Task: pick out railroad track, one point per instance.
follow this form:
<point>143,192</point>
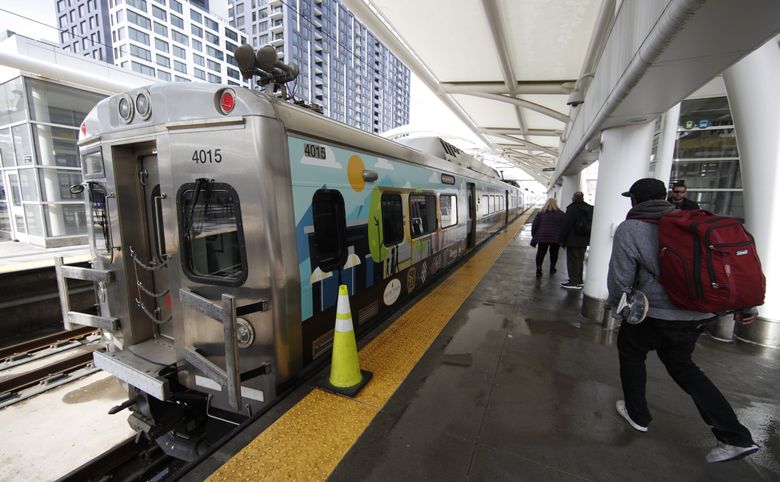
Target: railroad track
<point>39,347</point>
<point>24,385</point>
<point>130,460</point>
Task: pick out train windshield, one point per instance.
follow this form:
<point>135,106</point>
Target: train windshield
<point>212,237</point>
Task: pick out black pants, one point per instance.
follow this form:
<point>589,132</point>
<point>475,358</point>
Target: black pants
<point>575,259</point>
<point>541,252</point>
<point>674,341</point>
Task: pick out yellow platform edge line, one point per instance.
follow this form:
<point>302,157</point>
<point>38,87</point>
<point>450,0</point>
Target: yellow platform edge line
<point>310,439</point>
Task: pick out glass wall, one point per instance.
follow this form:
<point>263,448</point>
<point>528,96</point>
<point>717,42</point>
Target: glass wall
<point>39,124</point>
<point>706,156</point>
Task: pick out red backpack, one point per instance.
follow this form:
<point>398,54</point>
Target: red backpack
<point>709,263</point>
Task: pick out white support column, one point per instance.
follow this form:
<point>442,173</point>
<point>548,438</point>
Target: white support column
<point>751,85</point>
<point>665,154</point>
<point>571,184</point>
<point>625,157</point>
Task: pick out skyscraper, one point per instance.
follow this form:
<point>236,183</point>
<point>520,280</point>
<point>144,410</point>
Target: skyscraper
<point>344,68</point>
<point>168,39</point>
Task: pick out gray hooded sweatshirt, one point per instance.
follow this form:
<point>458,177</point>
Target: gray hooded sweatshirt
<point>635,263</point>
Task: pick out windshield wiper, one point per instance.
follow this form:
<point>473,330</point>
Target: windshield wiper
<point>188,220</point>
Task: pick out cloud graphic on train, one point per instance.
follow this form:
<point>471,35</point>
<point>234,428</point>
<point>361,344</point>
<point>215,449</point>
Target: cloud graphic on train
<point>435,178</point>
<point>408,185</point>
<point>383,164</point>
<point>329,161</point>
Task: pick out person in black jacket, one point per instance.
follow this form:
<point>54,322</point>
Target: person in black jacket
<point>575,238</point>
<point>678,198</point>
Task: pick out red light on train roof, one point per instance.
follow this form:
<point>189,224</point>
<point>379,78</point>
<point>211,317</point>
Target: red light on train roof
<point>227,101</point>
<point>84,128</point>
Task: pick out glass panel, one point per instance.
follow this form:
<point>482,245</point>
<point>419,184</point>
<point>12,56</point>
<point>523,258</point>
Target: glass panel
<point>392,219</point>
<point>12,102</point>
<point>212,239</point>
<point>65,219</point>
<point>56,146</point>
<point>7,148</point>
<point>16,193</point>
<point>59,104</point>
<point>725,203</point>
<point>5,218</point>
<point>449,210</point>
<point>34,222</point>
<point>422,214</point>
<point>55,185</point>
<point>714,110</point>
<point>706,143</point>
<point>101,237</point>
<point>27,183</point>
<point>19,220</point>
<point>22,144</point>
<point>483,206</point>
<point>710,174</point>
<point>329,229</point>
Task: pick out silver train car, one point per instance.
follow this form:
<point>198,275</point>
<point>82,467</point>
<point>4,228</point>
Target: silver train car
<point>222,222</point>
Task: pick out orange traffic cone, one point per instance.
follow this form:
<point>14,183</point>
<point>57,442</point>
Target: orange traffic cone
<point>345,377</point>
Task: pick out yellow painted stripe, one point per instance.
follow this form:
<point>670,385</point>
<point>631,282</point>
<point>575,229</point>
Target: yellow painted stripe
<point>310,439</point>
<point>347,316</point>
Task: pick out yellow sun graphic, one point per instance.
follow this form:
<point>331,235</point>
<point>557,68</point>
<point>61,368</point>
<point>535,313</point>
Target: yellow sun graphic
<point>355,168</point>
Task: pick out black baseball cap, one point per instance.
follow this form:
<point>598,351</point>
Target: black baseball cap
<point>646,189</point>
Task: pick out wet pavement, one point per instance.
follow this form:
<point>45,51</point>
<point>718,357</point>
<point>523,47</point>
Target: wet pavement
<point>519,386</point>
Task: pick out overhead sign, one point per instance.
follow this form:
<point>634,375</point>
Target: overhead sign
<point>548,169</point>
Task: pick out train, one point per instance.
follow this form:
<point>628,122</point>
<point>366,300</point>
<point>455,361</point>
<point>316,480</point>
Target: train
<point>222,221</point>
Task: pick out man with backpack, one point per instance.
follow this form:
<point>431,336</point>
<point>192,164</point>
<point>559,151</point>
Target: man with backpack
<point>668,329</point>
<point>575,238</point>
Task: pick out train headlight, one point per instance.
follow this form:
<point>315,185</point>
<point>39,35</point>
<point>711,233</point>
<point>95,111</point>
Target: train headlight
<point>226,101</point>
<point>125,108</point>
<point>143,104</point>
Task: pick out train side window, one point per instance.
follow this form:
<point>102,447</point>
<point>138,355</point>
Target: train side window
<point>330,229</point>
<point>422,214</point>
<point>392,218</point>
<point>212,235</point>
<point>484,205</point>
<point>448,203</point>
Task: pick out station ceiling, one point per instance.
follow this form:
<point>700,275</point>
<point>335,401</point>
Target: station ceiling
<point>505,67</point>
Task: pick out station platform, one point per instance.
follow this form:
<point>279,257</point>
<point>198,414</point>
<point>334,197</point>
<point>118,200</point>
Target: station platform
<point>496,376</point>
<point>15,257</point>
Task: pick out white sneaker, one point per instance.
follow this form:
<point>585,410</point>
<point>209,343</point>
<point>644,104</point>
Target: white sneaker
<point>725,452</point>
<point>620,406</point>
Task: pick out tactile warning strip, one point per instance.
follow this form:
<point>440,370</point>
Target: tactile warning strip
<point>308,441</point>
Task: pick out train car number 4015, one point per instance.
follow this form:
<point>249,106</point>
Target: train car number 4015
<point>204,156</point>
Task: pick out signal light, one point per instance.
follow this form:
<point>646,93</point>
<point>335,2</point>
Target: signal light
<point>143,104</point>
<point>125,108</point>
<point>227,101</point>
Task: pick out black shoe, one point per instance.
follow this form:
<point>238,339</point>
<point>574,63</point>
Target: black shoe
<point>571,286</point>
<point>538,273</point>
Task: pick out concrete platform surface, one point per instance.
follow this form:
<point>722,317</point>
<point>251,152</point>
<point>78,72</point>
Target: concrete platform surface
<point>520,387</point>
<point>15,256</point>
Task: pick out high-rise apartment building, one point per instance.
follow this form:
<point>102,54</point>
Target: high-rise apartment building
<point>344,68</point>
<point>168,39</point>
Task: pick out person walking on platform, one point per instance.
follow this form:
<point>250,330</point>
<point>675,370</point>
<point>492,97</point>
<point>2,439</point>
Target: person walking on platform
<point>669,330</point>
<point>545,234</point>
<point>575,238</point>
<point>679,199</point>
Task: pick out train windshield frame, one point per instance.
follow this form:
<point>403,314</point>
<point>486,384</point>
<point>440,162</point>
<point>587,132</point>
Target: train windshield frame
<point>211,233</point>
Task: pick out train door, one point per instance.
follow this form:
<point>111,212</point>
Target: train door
<point>506,207</point>
<point>472,236</point>
<point>154,300</point>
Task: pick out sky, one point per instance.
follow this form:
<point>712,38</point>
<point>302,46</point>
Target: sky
<point>427,113</point>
